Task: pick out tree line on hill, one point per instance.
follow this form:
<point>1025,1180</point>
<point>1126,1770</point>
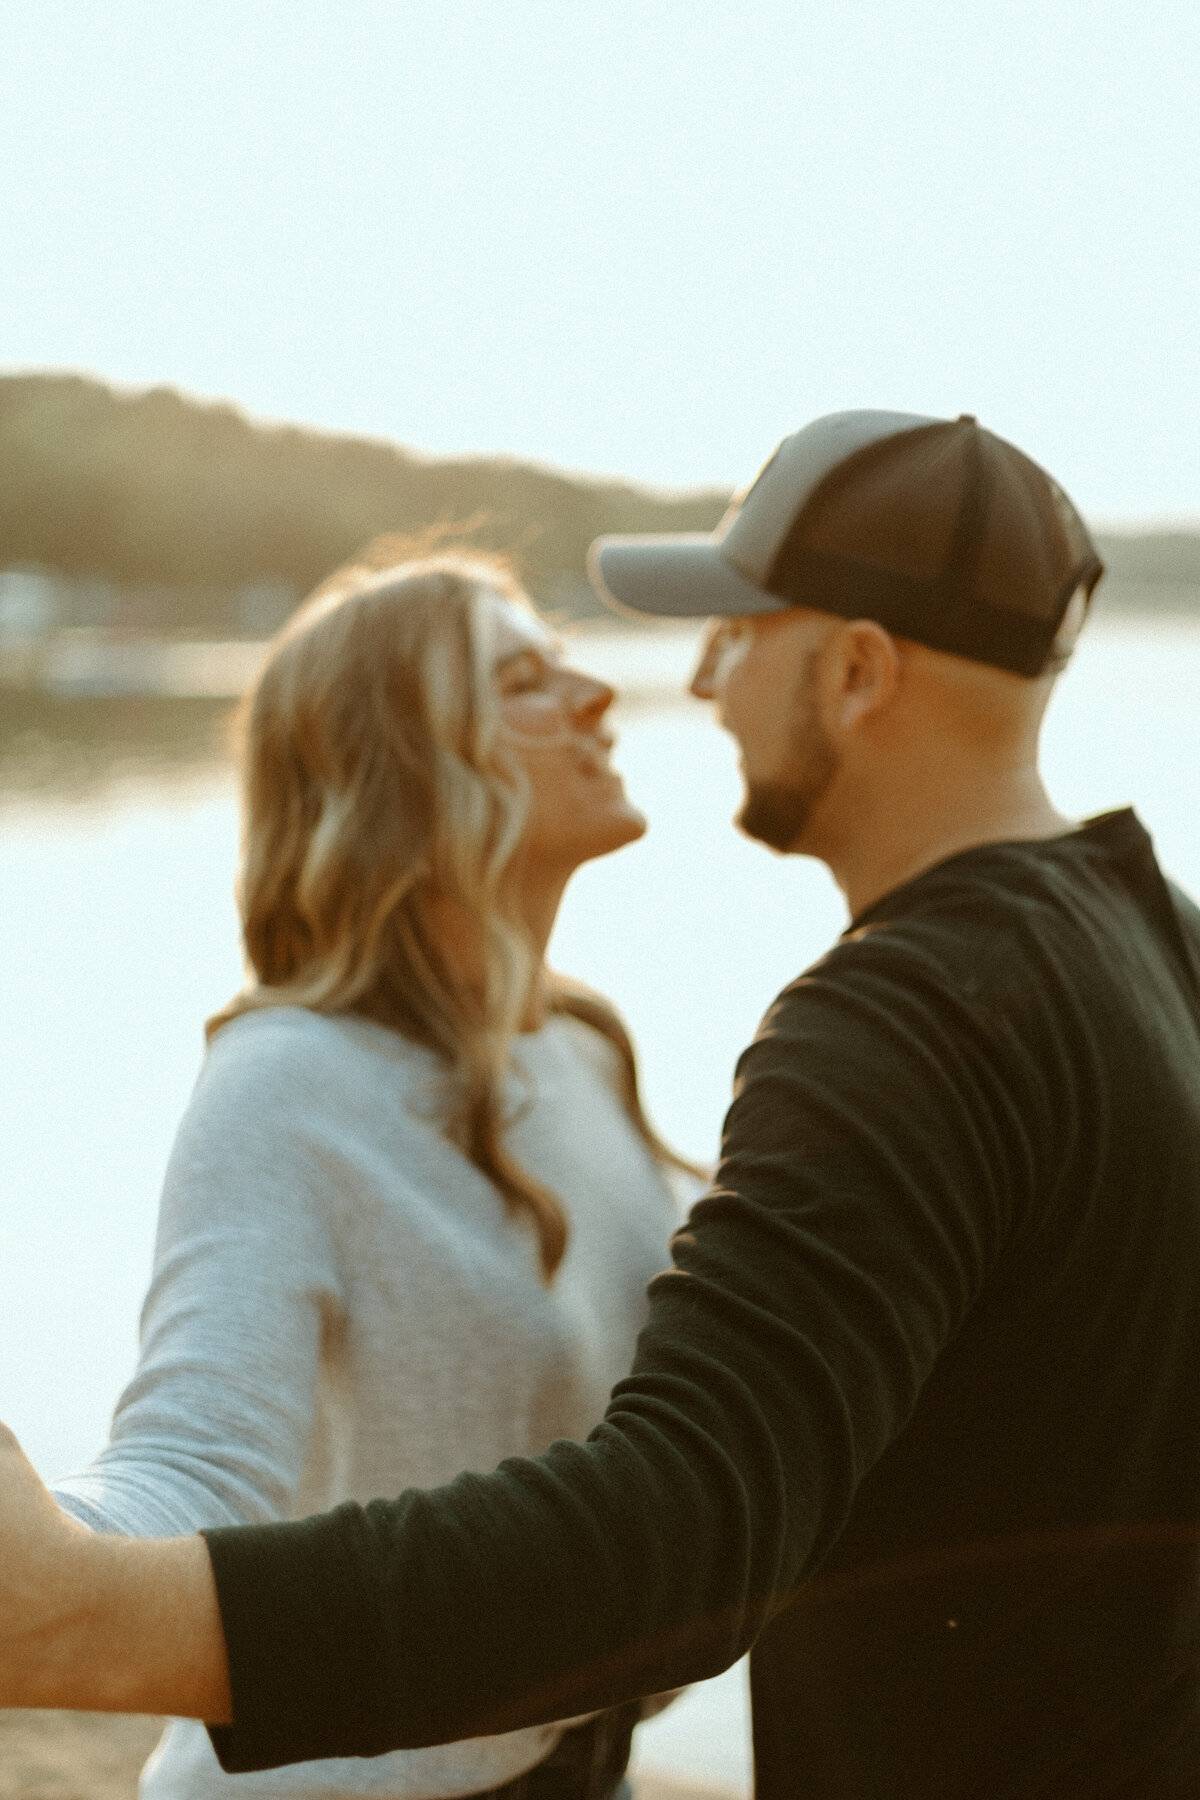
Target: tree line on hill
<point>191,505</point>
<point>195,516</point>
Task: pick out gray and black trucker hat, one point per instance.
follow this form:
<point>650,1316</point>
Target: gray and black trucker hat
<point>935,528</point>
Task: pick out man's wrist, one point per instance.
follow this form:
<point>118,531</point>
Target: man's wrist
<point>132,1626</point>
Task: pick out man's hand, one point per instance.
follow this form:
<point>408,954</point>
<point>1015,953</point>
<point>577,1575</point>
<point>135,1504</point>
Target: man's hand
<point>99,1623</point>
<point>38,1577</point>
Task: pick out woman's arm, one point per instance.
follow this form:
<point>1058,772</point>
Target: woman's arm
<point>215,1425</point>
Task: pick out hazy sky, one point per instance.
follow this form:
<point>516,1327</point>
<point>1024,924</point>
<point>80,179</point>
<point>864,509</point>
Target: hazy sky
<point>642,236</point>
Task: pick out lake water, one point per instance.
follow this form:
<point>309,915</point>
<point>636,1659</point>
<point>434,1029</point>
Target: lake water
<point>119,937</point>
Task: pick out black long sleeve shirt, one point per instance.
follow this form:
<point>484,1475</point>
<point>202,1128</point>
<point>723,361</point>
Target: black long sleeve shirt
<point>916,1413</point>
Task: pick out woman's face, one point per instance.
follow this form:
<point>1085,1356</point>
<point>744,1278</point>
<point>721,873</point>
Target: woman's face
<point>552,722</point>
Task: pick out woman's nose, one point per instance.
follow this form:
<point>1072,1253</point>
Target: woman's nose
<point>592,697</point>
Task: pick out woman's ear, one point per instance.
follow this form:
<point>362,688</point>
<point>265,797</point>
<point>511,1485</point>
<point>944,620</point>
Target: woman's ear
<point>862,674</point>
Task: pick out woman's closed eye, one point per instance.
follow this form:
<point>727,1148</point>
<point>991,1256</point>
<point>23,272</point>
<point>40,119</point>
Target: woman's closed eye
<point>525,673</point>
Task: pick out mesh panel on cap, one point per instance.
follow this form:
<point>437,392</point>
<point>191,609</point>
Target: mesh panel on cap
<point>945,534</point>
<point>1024,556</point>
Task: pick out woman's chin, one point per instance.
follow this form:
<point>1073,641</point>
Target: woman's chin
<point>617,830</point>
<point>571,838</point>
<point>629,825</point>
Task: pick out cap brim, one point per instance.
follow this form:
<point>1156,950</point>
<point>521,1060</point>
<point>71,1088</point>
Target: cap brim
<point>680,576</point>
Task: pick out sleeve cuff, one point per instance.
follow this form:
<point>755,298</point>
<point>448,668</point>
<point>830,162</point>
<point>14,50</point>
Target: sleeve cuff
<point>304,1675</point>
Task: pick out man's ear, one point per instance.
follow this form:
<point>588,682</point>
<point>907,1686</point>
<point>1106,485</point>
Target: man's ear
<point>862,674</point>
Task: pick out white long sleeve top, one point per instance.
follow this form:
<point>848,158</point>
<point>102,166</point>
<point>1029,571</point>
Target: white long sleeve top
<point>342,1306</point>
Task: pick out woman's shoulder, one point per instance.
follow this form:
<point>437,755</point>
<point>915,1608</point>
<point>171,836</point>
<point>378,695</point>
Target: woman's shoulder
<point>308,1055</point>
<point>585,1046</point>
<point>283,1089</point>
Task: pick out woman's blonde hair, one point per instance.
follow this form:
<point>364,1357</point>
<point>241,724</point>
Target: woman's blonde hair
<point>381,821</point>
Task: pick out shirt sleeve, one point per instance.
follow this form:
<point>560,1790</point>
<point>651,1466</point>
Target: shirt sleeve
<point>874,1156</point>
<point>215,1425</point>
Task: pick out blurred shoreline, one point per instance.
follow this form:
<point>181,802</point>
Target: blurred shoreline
<point>87,717</point>
<point>79,663</point>
<point>84,716</point>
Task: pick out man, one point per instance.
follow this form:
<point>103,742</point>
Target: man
<point>915,1412</point>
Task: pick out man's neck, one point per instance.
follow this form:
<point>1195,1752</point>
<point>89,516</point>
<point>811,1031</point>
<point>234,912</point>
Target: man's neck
<point>902,837</point>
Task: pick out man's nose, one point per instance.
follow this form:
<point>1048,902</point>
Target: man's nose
<point>702,684</point>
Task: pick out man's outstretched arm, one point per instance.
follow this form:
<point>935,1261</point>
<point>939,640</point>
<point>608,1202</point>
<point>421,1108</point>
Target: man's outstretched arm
<point>814,1289</point>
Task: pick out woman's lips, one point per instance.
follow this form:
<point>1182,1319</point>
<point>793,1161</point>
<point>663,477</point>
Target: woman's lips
<point>595,755</point>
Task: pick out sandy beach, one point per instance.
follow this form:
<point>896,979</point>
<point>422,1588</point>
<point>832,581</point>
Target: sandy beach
<point>97,1756</point>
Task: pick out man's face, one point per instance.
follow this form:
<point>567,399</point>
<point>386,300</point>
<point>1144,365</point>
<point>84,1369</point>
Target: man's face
<point>760,671</point>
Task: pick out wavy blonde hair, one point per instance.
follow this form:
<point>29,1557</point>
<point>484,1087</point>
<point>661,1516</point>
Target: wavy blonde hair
<point>381,821</point>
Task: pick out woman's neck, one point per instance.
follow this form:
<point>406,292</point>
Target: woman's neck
<point>539,898</point>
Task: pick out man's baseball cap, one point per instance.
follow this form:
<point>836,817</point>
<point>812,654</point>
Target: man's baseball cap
<point>935,528</point>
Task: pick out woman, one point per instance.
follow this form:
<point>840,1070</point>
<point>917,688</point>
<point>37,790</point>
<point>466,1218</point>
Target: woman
<point>414,1204</point>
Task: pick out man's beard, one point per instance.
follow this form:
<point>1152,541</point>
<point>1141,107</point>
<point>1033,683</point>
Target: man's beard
<point>777,812</point>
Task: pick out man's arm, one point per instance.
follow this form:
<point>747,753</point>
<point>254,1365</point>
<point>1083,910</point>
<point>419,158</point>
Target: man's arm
<point>860,1203</point>
<point>862,1198</point>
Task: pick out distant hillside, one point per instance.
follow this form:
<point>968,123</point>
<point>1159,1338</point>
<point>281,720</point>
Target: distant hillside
<point>1150,572</point>
<point>171,514</point>
<point>187,501</point>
